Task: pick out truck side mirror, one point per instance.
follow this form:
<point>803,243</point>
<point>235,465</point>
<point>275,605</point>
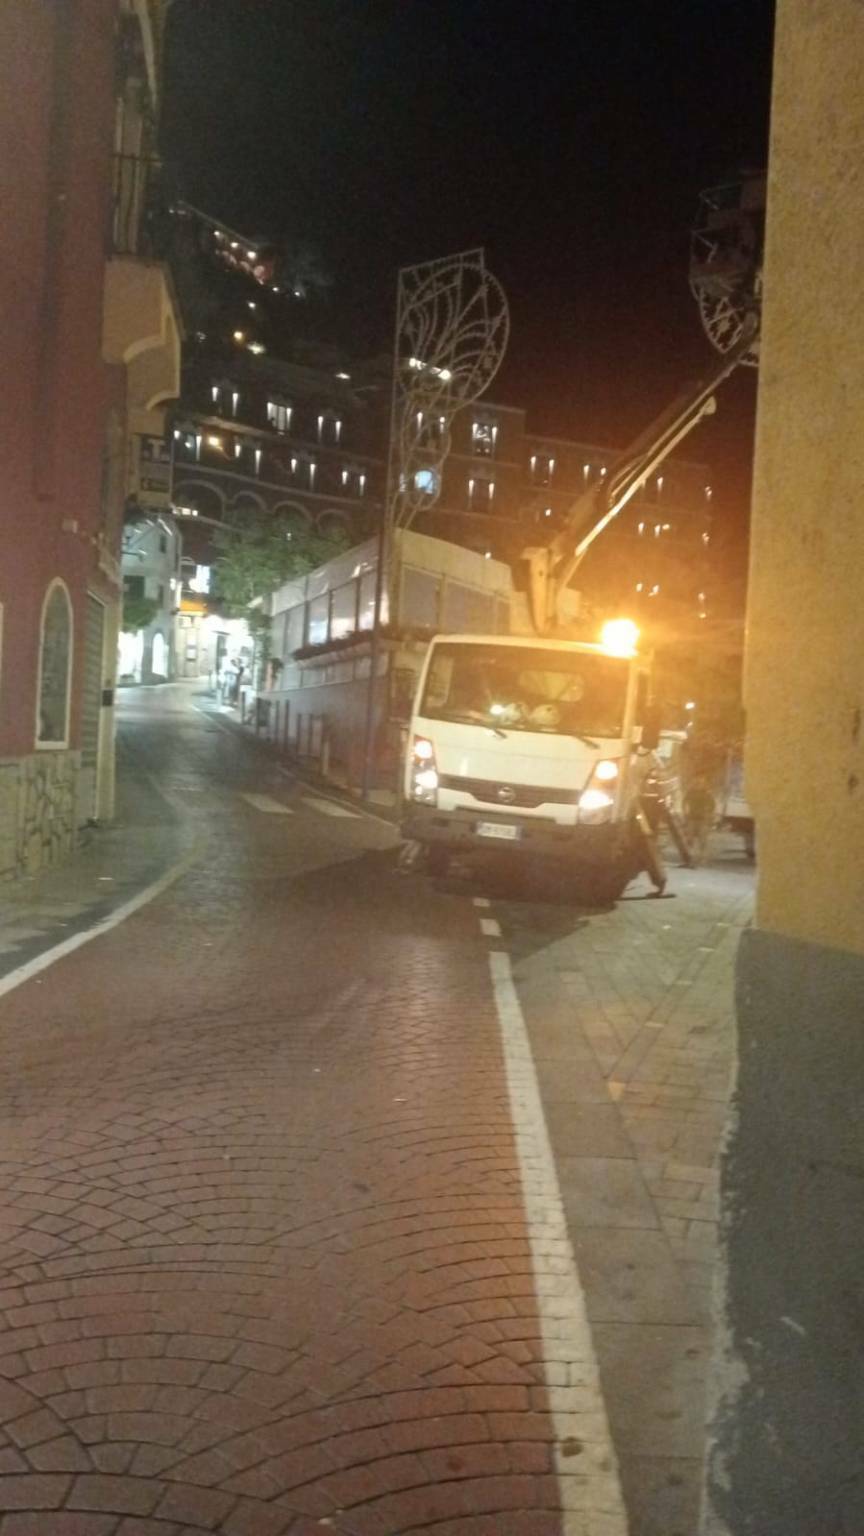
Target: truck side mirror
<point>651,727</point>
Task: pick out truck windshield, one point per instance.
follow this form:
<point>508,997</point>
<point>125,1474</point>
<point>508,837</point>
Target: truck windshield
<point>516,688</point>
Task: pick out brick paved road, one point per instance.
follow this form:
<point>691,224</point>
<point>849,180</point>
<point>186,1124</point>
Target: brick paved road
<point>265,1265</point>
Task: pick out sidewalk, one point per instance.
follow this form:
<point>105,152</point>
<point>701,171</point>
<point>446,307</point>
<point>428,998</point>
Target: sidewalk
<point>113,864</point>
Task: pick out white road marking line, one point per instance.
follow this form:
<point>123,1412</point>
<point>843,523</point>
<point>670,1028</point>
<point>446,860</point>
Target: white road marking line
<point>490,927</point>
<point>267,803</point>
<point>329,807</point>
<point>590,1485</point>
<point>481,901</point>
<point>41,962</point>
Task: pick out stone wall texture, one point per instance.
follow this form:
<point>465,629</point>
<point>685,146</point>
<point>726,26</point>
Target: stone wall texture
<point>37,811</point>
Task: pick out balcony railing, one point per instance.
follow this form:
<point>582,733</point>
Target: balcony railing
<point>140,214</point>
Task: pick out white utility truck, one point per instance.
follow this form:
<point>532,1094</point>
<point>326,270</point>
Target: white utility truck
<point>541,744</point>
<point>539,747</point>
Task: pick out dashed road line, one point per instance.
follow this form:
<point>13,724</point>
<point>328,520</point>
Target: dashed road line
<point>329,807</point>
<point>268,804</point>
<point>590,1487</point>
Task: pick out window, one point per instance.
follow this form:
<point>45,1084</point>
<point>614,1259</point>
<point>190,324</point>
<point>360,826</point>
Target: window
<point>55,668</point>
<point>542,468</point>
<point>526,688</point>
<point>426,480</point>
<point>133,586</point>
<point>484,436</point>
<point>343,610</point>
<point>319,620</point>
<point>279,415</point>
<point>329,428</point>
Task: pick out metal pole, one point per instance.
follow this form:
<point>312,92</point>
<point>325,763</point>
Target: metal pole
<point>382,556</point>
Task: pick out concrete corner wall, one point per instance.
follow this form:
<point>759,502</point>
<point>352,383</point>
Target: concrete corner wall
<point>804,681</point>
<point>787,1439</point>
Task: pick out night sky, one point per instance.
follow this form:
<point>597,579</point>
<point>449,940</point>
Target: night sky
<point>569,139</point>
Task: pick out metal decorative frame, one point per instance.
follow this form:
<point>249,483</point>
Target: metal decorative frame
<point>452,327</point>
<point>726,260</point>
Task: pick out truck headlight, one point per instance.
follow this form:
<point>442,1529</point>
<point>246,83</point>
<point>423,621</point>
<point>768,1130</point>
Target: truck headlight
<point>593,799</point>
<point>424,774</point>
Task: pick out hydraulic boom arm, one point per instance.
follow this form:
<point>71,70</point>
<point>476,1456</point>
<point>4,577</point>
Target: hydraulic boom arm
<point>552,567</point>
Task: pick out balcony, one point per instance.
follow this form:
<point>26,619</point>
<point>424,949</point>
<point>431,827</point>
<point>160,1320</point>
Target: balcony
<point>140,320</point>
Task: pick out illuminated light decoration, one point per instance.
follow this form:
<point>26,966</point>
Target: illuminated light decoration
<point>177,432</point>
<point>250,304</point>
<point>690,704</point>
<point>235,401</point>
<point>276,288</point>
<point>659,482</point>
<point>257,347</point>
<point>490,490</point>
<point>257,460</point>
<point>656,530</point>
<point>701,596</point>
<point>312,468</point>
<point>213,441</point>
<point>654,590</point>
<point>603,469</point>
<point>667,527</point>
<point>293,466</point>
<point>703,615</point>
<point>639,586</point>
<point>551,465</point>
<point>252,255</point>
<point>548,512</point>
<point>487,555</point>
<point>533,462</point>
<point>235,245</point>
<point>343,375</point>
<point>239,336</point>
<point>361,484</point>
<point>215,392</point>
<point>641,528</point>
<point>619,637</point>
<point>706,538</point>
<point>708,493</point>
<point>238,449</point>
<point>470,490</point>
<point>344,477</point>
<point>586,470</point>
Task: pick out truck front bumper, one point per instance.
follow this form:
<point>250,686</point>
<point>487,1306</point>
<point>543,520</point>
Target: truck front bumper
<point>457,830</point>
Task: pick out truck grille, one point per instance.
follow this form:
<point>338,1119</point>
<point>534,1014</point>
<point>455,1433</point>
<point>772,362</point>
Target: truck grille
<point>526,796</point>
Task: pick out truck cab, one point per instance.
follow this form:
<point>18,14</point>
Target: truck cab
<point>529,745</point>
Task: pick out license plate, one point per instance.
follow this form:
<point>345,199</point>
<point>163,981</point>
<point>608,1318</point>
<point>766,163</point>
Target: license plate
<point>498,829</point>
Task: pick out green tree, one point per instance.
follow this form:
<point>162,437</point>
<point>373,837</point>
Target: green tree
<point>262,554</point>
<point>138,612</point>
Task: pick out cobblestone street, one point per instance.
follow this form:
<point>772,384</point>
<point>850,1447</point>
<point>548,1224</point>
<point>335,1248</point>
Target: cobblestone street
<point>296,1159</point>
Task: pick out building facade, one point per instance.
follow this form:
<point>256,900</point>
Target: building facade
<point>91,349</point>
<point>151,569</point>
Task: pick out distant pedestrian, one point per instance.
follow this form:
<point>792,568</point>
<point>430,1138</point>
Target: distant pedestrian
<point>700,813</point>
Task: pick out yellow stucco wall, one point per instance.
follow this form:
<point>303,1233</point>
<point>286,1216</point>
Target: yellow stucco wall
<point>805,646</point>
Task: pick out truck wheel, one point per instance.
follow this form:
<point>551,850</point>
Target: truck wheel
<point>438,859</point>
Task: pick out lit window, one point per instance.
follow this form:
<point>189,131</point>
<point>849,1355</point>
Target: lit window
<point>426,480</point>
<point>484,436</point>
<point>279,415</point>
<point>55,668</point>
